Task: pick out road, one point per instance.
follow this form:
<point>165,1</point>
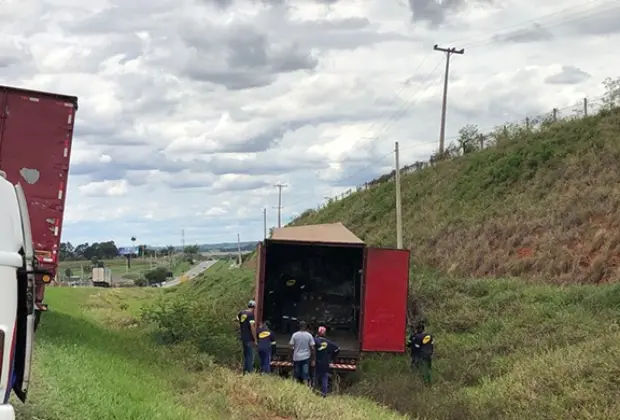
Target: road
<point>193,272</point>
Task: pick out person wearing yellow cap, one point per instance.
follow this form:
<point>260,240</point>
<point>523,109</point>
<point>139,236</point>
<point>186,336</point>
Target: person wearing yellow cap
<point>326,350</point>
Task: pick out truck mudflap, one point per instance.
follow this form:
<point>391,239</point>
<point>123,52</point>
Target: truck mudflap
<point>335,366</point>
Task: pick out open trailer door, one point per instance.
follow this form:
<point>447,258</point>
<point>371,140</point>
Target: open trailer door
<point>386,292</point>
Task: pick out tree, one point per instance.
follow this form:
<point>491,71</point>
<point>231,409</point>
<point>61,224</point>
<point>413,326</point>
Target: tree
<point>66,251</point>
<point>192,249</point>
<point>611,98</point>
<point>157,275</point>
<point>469,139</point>
<point>68,273</point>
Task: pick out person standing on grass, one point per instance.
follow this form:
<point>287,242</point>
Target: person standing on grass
<point>325,352</point>
<point>247,332</point>
<point>266,346</point>
<point>422,349</point>
<point>303,352</point>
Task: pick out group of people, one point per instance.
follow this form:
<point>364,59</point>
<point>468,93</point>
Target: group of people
<point>307,351</point>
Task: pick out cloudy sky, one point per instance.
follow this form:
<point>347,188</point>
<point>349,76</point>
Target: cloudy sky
<point>191,110</point>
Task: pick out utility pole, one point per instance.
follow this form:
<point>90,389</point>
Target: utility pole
<point>399,214</point>
<point>442,130</point>
<point>183,241</point>
<point>265,221</point>
<point>279,186</point>
<point>239,248</point>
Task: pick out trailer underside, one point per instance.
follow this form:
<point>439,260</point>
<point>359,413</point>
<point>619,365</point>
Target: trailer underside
<point>348,343</point>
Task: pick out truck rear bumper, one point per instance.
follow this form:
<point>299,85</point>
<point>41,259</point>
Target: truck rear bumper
<point>7,412</point>
<point>334,366</point>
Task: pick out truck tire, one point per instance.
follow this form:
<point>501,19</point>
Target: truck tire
<point>37,319</point>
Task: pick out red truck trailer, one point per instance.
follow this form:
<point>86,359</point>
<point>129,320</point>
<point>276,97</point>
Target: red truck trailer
<point>359,293</point>
<point>36,132</point>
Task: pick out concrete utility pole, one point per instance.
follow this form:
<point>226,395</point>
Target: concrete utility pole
<point>265,221</point>
<point>399,214</point>
<point>442,132</point>
<point>239,248</point>
<point>279,186</point>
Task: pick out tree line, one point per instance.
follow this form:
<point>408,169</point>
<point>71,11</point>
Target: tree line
<point>108,250</point>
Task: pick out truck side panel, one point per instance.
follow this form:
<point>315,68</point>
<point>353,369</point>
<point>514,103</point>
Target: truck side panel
<point>260,280</point>
<point>36,130</point>
<point>385,297</point>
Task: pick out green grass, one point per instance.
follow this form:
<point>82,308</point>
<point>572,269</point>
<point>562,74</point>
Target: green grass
<point>95,360</point>
<point>505,349</point>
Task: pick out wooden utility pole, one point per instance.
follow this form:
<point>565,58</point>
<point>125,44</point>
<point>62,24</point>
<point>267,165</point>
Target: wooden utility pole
<point>399,215</point>
<point>279,186</point>
<point>585,107</point>
<point>265,222</point>
<point>444,105</point>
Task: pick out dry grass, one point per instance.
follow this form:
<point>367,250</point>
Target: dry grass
<point>545,206</point>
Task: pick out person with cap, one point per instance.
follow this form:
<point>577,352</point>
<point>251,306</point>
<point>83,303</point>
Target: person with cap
<point>303,352</point>
<point>422,349</point>
<point>325,352</point>
<point>266,346</point>
<point>247,333</point>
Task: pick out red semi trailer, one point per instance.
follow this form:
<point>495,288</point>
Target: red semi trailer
<point>36,132</point>
<point>359,292</point>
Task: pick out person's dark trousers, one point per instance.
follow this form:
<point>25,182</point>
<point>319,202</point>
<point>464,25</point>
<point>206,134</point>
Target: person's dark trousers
<point>424,366</point>
<point>301,370</point>
<point>322,380</point>
<point>265,360</point>
<point>248,357</point>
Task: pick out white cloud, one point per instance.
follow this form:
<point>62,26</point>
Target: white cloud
<point>105,188</point>
<point>190,110</point>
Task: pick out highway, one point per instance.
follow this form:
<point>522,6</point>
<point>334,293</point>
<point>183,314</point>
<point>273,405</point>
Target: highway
<point>191,273</point>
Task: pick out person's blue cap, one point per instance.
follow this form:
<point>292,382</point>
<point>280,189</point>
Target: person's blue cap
<point>251,304</point>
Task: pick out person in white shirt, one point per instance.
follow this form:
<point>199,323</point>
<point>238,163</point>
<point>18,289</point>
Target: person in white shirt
<point>303,352</point>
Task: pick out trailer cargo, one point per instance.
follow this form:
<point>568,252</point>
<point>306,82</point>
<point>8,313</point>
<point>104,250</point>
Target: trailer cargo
<point>36,132</point>
<point>359,293</point>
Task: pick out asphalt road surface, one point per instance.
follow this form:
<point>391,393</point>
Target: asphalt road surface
<point>193,272</point>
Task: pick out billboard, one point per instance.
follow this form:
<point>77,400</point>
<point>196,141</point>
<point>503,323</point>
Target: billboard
<point>129,250</point>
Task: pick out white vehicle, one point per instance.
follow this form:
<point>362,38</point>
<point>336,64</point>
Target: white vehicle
<point>17,296</point>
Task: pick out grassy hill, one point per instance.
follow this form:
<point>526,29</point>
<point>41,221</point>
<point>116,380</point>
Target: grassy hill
<point>541,204</point>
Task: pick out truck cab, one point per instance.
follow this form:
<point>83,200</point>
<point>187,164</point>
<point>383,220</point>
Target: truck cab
<point>17,296</point>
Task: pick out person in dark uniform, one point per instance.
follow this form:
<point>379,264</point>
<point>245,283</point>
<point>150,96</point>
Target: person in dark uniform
<point>326,350</point>
<point>291,296</point>
<point>422,349</point>
<point>266,347</point>
<point>247,334</point>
